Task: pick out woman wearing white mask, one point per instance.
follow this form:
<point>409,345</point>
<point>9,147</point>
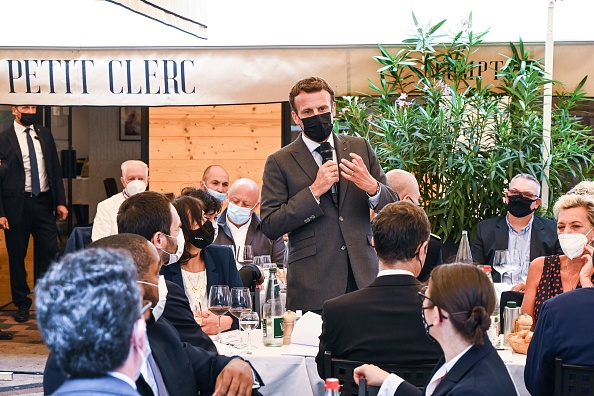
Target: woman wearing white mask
<point>202,265</point>
<point>552,275</point>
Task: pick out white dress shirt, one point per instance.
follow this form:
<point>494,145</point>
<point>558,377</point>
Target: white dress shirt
<point>22,138</point>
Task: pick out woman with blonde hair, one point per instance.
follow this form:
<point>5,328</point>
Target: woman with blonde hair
<point>552,275</point>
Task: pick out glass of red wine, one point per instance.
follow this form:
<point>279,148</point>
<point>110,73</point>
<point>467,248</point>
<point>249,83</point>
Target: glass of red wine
<point>219,302</point>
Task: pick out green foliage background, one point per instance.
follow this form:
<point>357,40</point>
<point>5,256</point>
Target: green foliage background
<point>464,140</point>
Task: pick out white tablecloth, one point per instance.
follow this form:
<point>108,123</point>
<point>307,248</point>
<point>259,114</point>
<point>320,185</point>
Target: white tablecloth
<point>283,375</point>
<point>515,363</point>
<point>288,375</point>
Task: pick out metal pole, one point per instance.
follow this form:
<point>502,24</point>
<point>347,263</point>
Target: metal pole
<point>547,105</point>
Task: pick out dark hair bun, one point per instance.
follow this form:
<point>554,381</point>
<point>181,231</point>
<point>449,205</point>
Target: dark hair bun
<point>477,325</point>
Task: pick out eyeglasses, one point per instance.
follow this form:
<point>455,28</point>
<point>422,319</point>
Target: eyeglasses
<point>413,202</point>
<point>513,192</point>
<point>423,297</point>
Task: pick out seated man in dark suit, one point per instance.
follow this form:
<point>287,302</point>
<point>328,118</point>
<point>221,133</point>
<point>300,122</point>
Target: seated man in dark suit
<point>381,323</point>
<point>88,308</point>
<point>564,329</point>
<point>406,186</point>
<point>532,236</point>
<point>239,224</point>
<point>175,366</point>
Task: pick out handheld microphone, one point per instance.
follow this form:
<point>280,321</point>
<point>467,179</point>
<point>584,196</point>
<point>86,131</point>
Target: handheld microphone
<point>326,151</point>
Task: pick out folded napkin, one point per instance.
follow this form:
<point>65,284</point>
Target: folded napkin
<point>305,339</point>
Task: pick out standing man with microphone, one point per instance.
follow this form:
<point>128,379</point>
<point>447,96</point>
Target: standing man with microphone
<point>330,247</point>
<point>32,197</point>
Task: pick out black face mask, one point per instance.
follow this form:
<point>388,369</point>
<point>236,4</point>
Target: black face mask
<point>427,325</point>
<point>318,127</point>
<point>519,206</point>
<point>203,236</point>
<point>27,119</point>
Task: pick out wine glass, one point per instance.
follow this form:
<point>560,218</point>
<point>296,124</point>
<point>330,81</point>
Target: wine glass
<point>241,301</point>
<point>219,302</point>
<point>500,261</point>
<point>513,263</point>
<point>246,254</point>
<point>248,322</point>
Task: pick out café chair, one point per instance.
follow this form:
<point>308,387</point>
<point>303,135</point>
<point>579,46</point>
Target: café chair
<point>250,274</point>
<point>343,369</point>
<point>571,379</point>
<point>111,187</point>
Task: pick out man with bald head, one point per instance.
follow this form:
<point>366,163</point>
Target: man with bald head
<point>406,186</point>
<point>239,225</point>
<point>215,181</point>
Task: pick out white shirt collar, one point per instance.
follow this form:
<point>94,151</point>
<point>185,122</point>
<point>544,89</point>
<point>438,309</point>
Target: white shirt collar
<point>123,377</point>
<point>394,272</point>
<point>311,145</point>
<point>18,128</point>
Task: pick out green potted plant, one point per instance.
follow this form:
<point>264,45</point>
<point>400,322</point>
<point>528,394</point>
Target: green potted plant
<point>462,139</point>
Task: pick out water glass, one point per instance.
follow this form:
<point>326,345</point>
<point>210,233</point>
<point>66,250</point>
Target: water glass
<point>248,322</point>
<point>500,261</point>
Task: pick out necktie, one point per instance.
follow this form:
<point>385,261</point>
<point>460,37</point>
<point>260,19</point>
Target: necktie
<point>325,150</point>
<point>35,186</point>
<point>156,381</point>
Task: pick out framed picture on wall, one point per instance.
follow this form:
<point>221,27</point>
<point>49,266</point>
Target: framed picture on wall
<point>130,123</point>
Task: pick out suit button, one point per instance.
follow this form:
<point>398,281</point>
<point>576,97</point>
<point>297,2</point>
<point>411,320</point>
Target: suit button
<point>342,247</point>
<point>341,218</point>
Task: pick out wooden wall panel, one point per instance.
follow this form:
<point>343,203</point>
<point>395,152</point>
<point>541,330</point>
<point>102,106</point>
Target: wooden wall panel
<point>183,141</point>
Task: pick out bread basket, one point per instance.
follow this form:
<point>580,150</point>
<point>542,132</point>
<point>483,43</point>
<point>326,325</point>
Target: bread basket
<point>518,343</point>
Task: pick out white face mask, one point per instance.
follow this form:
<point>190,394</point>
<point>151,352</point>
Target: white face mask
<point>140,331</point>
<point>573,244</point>
<point>237,214</point>
<point>163,291</point>
<point>219,196</point>
<point>181,242</point>
<point>135,187</point>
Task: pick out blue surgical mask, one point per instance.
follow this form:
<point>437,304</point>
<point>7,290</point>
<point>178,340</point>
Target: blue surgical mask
<point>237,214</point>
<point>219,196</point>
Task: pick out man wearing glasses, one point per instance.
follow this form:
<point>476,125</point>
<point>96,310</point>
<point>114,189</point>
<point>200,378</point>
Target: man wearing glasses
<point>520,230</point>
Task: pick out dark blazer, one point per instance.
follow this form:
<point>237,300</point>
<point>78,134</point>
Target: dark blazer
<point>220,270</point>
<point>13,178</point>
<point>323,239</point>
<point>493,234</point>
<point>104,386</point>
<point>564,329</point>
<point>261,245</point>
<point>177,312</point>
<point>433,259</point>
<point>380,323</point>
<point>185,368</point>
<point>480,371</point>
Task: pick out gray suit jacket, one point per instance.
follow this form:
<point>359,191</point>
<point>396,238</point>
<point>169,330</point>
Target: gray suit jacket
<point>104,386</point>
<point>323,239</point>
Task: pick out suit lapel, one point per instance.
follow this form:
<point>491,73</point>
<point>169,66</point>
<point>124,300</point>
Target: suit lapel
<point>502,237</point>
<point>14,142</point>
<point>342,152</point>
<point>536,238</point>
<point>461,368</point>
<point>212,276</point>
<point>304,159</point>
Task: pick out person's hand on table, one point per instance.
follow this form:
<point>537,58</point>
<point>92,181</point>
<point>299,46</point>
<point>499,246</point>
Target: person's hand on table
<point>235,379</point>
<point>374,375</point>
<point>519,287</point>
<point>210,323</point>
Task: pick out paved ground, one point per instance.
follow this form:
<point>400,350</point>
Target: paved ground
<point>24,355</point>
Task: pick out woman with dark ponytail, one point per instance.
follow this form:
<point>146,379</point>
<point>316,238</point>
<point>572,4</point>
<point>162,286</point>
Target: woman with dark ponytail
<point>457,307</point>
